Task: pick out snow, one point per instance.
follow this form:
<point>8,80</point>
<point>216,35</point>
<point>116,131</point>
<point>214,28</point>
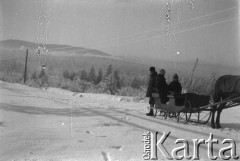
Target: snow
<point>55,124</point>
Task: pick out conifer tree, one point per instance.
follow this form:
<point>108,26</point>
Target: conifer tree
<point>66,74</point>
<point>34,75</point>
<point>135,83</point>
<point>110,84</point>
<point>91,75</point>
<point>99,77</point>
<point>83,75</point>
<point>109,70</point>
<point>117,79</point>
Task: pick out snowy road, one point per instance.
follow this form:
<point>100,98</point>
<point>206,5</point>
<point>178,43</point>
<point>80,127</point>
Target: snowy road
<point>54,125</point>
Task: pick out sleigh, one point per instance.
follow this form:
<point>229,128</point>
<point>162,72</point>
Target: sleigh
<point>190,107</point>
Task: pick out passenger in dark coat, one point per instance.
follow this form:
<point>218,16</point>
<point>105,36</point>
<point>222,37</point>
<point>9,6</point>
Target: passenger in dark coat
<point>152,88</point>
<point>175,86</point>
<point>163,87</point>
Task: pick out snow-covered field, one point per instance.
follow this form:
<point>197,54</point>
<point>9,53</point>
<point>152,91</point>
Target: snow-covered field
<point>55,125</point>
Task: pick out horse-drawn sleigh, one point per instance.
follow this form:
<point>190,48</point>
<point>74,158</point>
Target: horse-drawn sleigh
<point>192,107</point>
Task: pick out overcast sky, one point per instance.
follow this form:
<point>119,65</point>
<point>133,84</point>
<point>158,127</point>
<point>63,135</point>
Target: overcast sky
<point>208,29</point>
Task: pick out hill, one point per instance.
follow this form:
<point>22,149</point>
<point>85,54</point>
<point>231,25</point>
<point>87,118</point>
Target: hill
<point>65,57</point>
<point>13,45</point>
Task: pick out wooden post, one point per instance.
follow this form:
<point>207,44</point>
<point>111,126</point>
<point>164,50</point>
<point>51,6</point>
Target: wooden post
<point>195,65</point>
<point>25,71</point>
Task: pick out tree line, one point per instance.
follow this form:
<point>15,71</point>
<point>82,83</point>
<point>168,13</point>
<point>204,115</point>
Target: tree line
<point>109,81</point>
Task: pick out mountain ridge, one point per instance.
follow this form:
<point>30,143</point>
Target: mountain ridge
<point>15,44</point>
<point>171,66</point>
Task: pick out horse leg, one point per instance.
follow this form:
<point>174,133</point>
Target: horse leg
<point>220,108</point>
<point>214,108</point>
<point>212,119</point>
<point>218,119</point>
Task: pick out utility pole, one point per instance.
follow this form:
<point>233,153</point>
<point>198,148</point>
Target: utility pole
<point>195,65</point>
<point>25,71</point>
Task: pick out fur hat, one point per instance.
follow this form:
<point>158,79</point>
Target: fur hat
<point>175,76</point>
<point>162,71</point>
<point>152,69</point>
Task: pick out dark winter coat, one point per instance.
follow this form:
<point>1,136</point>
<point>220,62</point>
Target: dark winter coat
<point>153,84</point>
<point>175,87</point>
<point>163,88</point>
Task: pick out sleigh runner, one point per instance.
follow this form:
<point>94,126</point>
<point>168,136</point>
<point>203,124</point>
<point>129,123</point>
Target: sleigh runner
<point>191,107</point>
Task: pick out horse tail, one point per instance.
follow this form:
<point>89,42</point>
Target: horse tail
<point>217,92</point>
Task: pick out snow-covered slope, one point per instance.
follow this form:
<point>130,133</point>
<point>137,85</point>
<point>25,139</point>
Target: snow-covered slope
<point>55,124</point>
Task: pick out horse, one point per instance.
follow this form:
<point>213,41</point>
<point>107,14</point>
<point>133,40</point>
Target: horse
<point>227,86</point>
